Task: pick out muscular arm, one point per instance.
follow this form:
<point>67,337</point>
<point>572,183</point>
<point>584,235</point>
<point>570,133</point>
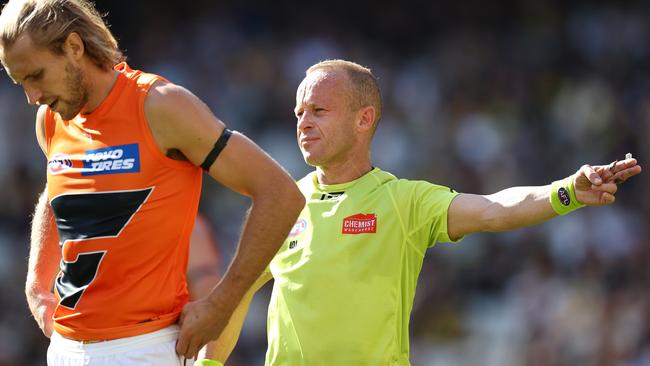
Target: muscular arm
<point>180,121</point>
<point>505,210</point>
<point>523,206</point>
<point>44,254</point>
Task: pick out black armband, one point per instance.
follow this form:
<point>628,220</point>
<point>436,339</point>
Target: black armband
<point>216,150</point>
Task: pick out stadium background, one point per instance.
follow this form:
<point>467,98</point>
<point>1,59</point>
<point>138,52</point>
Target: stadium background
<point>478,96</point>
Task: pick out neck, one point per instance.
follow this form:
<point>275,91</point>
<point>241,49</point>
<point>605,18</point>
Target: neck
<point>344,172</point>
<point>100,84</point>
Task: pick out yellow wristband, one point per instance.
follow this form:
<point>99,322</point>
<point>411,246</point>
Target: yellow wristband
<point>563,196</point>
<point>206,362</point>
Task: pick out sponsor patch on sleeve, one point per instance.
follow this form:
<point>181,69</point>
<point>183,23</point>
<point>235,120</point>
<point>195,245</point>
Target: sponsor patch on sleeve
<point>112,160</point>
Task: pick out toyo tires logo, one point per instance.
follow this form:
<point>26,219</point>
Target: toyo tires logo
<point>112,160</point>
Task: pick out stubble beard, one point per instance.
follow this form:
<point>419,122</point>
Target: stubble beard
<point>77,88</point>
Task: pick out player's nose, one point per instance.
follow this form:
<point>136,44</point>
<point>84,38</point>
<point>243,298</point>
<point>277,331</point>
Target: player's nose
<point>34,95</point>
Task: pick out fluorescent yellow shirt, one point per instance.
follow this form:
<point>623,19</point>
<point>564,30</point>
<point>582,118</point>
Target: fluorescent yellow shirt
<point>345,277</point>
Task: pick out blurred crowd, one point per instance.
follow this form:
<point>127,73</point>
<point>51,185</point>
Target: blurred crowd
<point>478,96</point>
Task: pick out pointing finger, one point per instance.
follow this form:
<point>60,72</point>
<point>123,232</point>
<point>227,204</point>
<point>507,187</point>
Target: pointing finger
<point>617,166</point>
<point>625,174</point>
<point>612,167</point>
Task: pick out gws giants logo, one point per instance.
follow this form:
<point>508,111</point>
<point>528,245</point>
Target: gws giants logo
<point>59,163</point>
<point>360,224</point>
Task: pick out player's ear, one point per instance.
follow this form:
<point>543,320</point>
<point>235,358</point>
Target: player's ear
<point>366,118</point>
<point>74,46</point>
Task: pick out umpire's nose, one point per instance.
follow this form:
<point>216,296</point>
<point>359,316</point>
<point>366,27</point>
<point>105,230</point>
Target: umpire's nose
<point>304,122</point>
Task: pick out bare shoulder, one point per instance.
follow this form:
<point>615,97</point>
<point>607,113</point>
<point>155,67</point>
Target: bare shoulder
<point>165,98</point>
<point>173,101</point>
<point>179,120</point>
<point>40,128</point>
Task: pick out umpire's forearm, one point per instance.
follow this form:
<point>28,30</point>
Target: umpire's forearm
<point>517,207</point>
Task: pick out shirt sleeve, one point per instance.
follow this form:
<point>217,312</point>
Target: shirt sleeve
<point>429,213</point>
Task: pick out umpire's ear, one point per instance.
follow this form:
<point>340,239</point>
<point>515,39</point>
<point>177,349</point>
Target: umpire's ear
<point>366,119</point>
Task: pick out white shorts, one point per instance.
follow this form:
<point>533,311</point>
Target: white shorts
<point>152,349</point>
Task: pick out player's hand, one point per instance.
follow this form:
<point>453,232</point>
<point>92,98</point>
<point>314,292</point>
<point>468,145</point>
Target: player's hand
<point>597,185</point>
<point>42,307</point>
<point>201,321</point>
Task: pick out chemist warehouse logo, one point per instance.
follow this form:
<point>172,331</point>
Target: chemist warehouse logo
<point>360,224</point>
<point>112,160</point>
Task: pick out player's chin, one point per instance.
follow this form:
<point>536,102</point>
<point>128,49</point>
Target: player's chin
<point>67,113</point>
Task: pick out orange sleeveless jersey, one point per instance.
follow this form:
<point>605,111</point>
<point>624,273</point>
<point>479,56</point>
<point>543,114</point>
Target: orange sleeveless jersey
<point>124,214</point>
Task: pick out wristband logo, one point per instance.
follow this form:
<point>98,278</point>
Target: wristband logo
<point>563,195</point>
<point>360,224</point>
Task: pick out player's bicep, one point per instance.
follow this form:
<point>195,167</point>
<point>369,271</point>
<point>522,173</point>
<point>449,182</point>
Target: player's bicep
<point>245,168</point>
<point>467,214</point>
<point>181,121</point>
